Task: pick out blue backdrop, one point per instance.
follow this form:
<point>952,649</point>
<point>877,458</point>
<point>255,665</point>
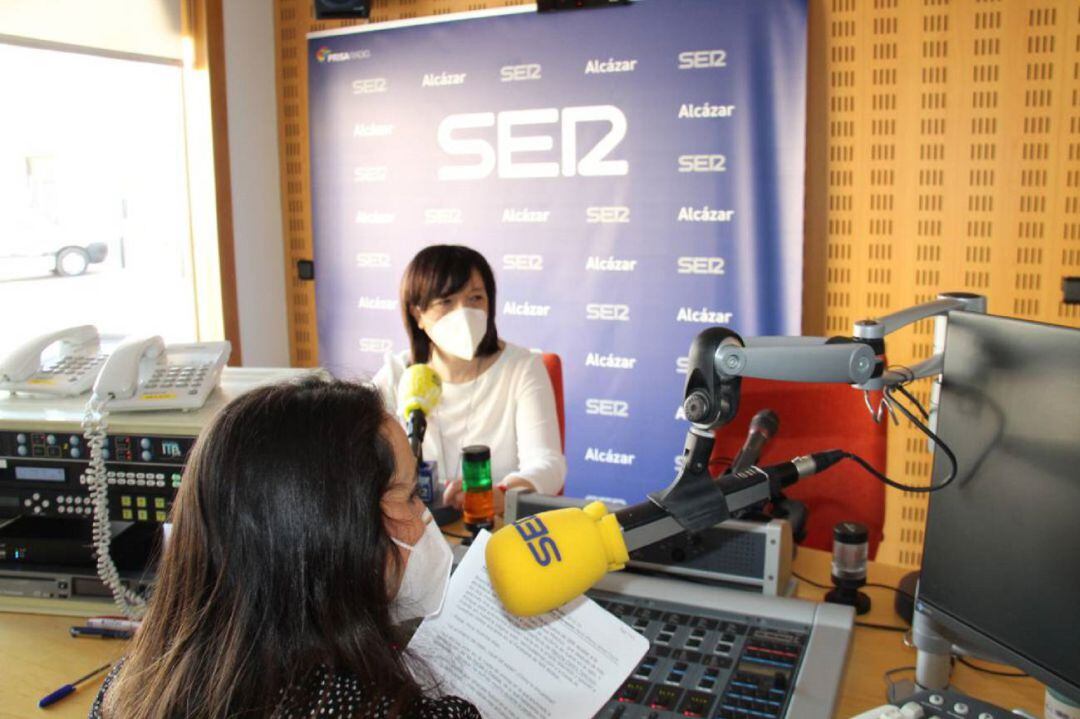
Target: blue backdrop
<point>633,175</point>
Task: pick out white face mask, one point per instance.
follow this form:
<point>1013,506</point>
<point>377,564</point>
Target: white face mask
<point>459,332</point>
<point>427,575</point>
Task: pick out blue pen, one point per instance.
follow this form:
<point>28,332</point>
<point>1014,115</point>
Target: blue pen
<point>69,688</point>
<point>100,632</point>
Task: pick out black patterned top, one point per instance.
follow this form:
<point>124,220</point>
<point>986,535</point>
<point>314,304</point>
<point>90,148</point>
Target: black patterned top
<point>339,695</point>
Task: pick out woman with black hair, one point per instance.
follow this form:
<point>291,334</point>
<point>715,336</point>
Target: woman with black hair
<point>298,543</point>
<point>494,392</point>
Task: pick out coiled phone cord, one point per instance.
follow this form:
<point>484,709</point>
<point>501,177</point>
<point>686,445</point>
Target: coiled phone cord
<point>95,428</point>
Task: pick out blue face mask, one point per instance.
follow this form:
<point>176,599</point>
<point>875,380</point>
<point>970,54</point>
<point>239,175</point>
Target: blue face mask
<point>426,577</point>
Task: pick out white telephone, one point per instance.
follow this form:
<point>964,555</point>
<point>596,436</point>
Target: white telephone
<point>141,374</point>
<point>144,374</point>
<point>69,369</point>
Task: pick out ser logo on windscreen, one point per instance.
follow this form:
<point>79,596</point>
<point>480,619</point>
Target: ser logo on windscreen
<point>538,540</point>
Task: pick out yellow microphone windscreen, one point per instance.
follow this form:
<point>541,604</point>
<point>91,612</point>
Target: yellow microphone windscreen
<point>543,561</point>
<point>420,388</point>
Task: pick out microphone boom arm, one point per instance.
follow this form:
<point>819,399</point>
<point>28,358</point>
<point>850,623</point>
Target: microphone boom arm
<point>718,360</point>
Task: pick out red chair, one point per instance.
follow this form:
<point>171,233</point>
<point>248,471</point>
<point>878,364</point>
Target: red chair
<point>553,365</point>
<point>816,417</point>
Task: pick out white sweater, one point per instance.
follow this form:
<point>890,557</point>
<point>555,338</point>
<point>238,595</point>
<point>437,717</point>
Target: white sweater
<point>510,408</point>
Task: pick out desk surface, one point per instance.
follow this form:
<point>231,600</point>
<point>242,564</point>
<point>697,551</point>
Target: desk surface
<point>37,656</point>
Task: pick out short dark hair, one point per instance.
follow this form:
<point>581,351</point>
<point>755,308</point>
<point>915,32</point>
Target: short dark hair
<point>439,271</point>
<point>279,562</point>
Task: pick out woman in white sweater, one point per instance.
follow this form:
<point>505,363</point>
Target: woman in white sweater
<point>494,393</point>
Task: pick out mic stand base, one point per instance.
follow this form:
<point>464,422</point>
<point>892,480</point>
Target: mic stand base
<point>856,599</point>
<point>444,514</point>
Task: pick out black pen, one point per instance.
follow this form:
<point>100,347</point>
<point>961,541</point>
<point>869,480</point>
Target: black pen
<point>100,633</point>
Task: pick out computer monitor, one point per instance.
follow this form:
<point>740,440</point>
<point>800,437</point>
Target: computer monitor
<point>1001,561</point>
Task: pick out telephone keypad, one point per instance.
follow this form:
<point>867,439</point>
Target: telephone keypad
<point>75,366</point>
<point>178,377</point>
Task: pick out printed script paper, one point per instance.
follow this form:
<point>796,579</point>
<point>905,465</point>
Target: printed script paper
<point>564,664</point>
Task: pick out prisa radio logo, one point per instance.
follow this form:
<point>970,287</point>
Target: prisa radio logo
<point>325,54</point>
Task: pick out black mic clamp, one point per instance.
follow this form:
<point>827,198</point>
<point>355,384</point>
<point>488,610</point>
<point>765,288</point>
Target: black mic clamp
<point>415,429</point>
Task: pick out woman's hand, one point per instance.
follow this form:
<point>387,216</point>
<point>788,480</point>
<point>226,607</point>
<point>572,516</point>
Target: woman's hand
<point>453,495</point>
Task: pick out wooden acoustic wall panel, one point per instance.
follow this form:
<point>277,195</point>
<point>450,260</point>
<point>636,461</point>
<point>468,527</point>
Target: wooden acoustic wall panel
<point>950,135</point>
<point>943,153</point>
<point>293,20</point>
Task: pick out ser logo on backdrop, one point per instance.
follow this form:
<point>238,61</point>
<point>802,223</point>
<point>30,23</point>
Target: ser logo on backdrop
<point>523,263</point>
<point>607,215</point>
<point>519,73</point>
<point>702,163</point>
<point>443,216</point>
<point>376,345</point>
<point>370,174</point>
<point>374,217</point>
<point>370,86</point>
<point>607,312</point>
<point>702,59</point>
<point>701,265</point>
<point>607,407</point>
<point>373,260</point>
<point>501,157</point>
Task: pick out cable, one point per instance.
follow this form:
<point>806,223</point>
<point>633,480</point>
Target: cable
<point>898,590</point>
<point>454,535</point>
<point>996,673</point>
<point>810,581</point>
<point>886,627</point>
<point>953,467</point>
<point>914,400</point>
<point>95,428</point>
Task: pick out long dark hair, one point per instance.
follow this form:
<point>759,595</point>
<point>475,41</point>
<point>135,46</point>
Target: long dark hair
<point>279,562</point>
<point>440,271</point>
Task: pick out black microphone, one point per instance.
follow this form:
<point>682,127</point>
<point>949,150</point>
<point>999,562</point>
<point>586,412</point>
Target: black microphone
<point>754,487</point>
<point>647,523</point>
<point>762,428</point>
